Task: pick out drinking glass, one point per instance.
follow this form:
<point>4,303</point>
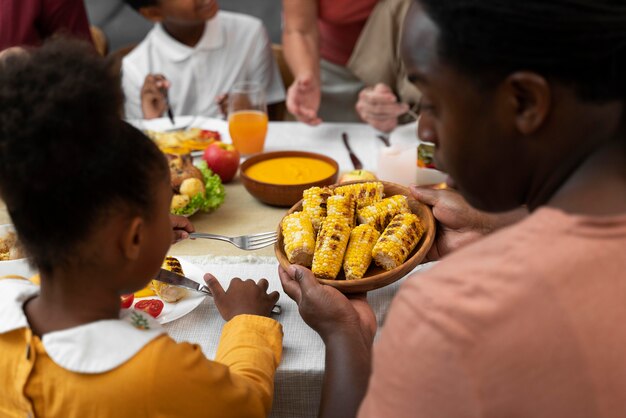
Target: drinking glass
<point>247,117</point>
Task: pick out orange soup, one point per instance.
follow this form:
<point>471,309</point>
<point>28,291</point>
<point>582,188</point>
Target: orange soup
<point>290,170</point>
<point>247,129</point>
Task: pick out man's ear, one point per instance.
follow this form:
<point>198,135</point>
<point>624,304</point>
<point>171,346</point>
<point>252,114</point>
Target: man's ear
<point>133,239</point>
<point>531,97</point>
<point>152,13</point>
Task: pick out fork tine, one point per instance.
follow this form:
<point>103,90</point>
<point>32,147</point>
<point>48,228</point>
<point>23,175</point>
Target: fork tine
<point>258,245</point>
<point>259,238</point>
<point>262,242</point>
<point>263,234</point>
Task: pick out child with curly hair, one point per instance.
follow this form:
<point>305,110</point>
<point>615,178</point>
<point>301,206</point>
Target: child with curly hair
<point>89,197</point>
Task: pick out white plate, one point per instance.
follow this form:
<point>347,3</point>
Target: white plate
<point>17,267</point>
<point>173,311</point>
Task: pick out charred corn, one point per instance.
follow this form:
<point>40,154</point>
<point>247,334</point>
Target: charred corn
<point>364,194</point>
<point>359,252</point>
<point>343,206</point>
<point>166,291</point>
<point>330,247</point>
<point>398,240</point>
<point>314,204</point>
<point>380,214</point>
<point>299,238</point>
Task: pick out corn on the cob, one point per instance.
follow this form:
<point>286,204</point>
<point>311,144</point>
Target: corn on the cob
<point>330,247</point>
<point>342,205</point>
<point>299,238</point>
<point>314,204</point>
<point>365,194</point>
<point>165,291</point>
<point>359,252</point>
<point>398,240</point>
<point>380,214</point>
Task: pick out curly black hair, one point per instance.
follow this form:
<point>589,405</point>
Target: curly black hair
<point>581,43</point>
<point>138,4</point>
<point>66,157</point>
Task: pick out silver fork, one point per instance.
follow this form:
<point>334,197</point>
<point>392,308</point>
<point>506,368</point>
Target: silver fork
<point>245,242</point>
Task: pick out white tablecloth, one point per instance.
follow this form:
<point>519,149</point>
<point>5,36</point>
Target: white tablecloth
<point>299,376</point>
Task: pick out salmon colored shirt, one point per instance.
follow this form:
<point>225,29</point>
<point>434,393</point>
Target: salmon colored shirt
<point>129,367</point>
<point>529,322</point>
<point>340,23</point>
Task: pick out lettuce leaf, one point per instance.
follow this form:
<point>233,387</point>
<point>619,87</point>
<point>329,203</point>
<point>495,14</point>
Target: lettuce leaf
<point>212,198</point>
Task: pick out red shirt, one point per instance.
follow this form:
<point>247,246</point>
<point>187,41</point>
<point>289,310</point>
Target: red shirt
<point>340,23</point>
<point>29,22</point>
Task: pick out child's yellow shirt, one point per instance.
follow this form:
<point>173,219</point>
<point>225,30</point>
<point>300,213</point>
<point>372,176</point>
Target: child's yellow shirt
<point>131,368</point>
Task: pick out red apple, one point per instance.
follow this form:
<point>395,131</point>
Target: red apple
<point>222,159</point>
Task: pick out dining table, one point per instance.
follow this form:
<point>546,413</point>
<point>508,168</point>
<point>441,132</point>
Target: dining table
<point>299,376</point>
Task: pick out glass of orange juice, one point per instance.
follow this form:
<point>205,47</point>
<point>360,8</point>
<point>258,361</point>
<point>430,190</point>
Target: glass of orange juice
<point>247,117</point>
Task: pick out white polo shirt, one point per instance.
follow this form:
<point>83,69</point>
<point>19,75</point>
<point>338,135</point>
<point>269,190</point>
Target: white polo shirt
<point>234,47</point>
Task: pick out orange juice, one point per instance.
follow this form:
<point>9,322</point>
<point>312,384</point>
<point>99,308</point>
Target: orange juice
<point>247,130</point>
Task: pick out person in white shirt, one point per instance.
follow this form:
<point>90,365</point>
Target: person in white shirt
<point>192,57</point>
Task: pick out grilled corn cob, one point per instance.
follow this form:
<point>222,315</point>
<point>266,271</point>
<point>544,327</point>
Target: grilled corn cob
<point>380,214</point>
<point>165,291</point>
<point>398,240</point>
<point>359,252</point>
<point>330,247</point>
<point>299,238</point>
<point>314,204</point>
<point>343,206</point>
<point>365,194</point>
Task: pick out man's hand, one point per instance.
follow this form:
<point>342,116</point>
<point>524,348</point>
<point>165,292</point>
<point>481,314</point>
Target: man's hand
<point>303,100</point>
<point>181,228</point>
<point>153,102</point>
<point>324,308</point>
<point>459,224</point>
<point>379,107</point>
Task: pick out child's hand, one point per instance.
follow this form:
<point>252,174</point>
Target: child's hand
<point>327,310</point>
<point>153,102</point>
<point>181,228</point>
<point>242,297</point>
<point>222,102</point>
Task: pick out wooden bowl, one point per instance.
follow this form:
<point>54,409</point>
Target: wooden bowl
<point>376,277</point>
<point>283,195</point>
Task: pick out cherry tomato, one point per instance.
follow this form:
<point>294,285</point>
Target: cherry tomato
<point>207,134</point>
<point>151,306</point>
<point>127,300</point>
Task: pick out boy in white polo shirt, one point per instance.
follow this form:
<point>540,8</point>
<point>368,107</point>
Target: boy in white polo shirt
<point>195,54</point>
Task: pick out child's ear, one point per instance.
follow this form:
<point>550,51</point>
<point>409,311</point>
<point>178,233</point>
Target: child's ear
<point>530,98</point>
<point>133,239</point>
<point>152,13</point>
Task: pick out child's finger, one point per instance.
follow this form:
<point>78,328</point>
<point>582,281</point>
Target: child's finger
<point>264,284</point>
<point>214,286</point>
<point>274,296</point>
<point>290,286</point>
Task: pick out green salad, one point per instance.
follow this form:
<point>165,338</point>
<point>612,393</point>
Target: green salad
<point>212,197</point>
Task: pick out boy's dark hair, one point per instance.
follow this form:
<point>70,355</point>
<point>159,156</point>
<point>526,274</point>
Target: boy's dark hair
<point>66,157</point>
<point>581,43</point>
<point>138,4</point>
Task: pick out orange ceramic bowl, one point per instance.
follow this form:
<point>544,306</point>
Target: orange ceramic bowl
<point>284,195</point>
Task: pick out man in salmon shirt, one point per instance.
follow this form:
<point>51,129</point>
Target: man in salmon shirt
<point>525,103</point>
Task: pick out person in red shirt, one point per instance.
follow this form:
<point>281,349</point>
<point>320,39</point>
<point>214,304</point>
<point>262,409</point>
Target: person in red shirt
<point>29,22</point>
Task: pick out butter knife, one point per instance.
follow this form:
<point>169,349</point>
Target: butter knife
<point>174,279</point>
<point>355,160</point>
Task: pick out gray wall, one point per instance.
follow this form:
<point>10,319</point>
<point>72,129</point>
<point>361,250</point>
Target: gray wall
<point>123,26</point>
